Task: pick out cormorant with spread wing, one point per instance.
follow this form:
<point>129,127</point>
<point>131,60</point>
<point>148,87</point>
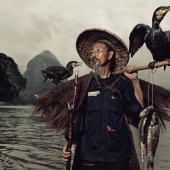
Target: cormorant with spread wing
<point>157,41</point>
<point>58,73</point>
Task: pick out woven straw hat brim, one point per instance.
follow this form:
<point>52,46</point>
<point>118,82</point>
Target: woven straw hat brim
<point>89,37</point>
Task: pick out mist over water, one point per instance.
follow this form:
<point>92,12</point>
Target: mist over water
<point>26,143</point>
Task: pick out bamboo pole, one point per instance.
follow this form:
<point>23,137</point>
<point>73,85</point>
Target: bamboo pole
<point>138,68</point>
<point>72,114</point>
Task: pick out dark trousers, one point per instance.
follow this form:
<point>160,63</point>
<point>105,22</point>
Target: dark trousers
<point>86,165</point>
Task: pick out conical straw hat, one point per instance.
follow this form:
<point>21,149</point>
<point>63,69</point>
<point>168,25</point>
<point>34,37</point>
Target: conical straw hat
<point>89,37</point>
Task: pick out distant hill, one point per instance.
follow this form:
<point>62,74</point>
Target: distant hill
<point>35,81</point>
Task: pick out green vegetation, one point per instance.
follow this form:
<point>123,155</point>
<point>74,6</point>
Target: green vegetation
<point>11,81</point>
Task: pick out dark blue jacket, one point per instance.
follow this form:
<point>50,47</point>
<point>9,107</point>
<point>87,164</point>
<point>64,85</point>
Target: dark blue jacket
<point>103,134</point>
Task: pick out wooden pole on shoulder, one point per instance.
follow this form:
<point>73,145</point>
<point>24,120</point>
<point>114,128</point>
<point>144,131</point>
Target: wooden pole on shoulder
<point>138,68</point>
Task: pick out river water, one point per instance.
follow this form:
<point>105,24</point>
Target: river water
<point>26,143</point>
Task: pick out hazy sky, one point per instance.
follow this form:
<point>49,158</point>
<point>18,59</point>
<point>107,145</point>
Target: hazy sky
<point>28,27</point>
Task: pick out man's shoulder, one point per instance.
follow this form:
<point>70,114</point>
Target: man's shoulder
<point>91,74</point>
<point>86,77</point>
<point>83,77</point>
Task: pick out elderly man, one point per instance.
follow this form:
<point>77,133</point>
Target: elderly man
<point>102,136</point>
<point>107,103</point>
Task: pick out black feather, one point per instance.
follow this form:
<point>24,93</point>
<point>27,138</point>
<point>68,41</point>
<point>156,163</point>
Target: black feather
<point>58,73</point>
<point>157,41</point>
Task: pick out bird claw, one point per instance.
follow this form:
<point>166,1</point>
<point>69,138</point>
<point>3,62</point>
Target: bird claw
<point>168,59</point>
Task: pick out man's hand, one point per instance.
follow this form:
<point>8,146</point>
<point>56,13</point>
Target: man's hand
<point>128,74</point>
<point>66,155</point>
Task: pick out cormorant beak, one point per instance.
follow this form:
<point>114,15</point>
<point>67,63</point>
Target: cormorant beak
<point>78,64</point>
<point>162,12</point>
<point>167,9</point>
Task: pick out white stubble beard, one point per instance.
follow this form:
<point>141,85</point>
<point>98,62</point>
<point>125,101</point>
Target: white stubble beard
<point>97,70</point>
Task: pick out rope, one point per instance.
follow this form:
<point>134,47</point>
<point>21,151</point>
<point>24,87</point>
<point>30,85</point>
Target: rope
<point>153,72</point>
<point>102,86</point>
<point>148,84</point>
<point>143,165</point>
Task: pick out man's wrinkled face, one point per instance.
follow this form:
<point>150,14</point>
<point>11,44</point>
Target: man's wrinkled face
<point>100,55</point>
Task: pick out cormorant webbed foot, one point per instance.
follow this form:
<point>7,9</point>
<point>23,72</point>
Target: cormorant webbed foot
<point>168,59</point>
<point>151,65</point>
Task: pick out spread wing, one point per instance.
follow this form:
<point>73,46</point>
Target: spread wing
<point>137,38</point>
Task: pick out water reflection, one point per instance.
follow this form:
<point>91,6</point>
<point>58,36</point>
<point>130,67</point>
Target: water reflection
<point>26,143</point>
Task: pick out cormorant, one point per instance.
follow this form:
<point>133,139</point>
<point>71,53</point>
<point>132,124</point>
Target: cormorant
<point>58,73</point>
<point>157,41</point>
